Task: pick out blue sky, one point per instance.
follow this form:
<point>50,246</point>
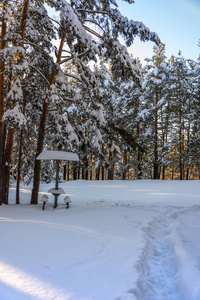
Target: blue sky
<point>177,22</point>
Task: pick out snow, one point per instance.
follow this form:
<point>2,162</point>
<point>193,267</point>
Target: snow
<point>15,115</point>
<point>57,155</point>
<point>120,240</point>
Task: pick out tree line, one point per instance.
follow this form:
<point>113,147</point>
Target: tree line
<point>124,120</point>
<point>36,93</point>
<point>152,129</point>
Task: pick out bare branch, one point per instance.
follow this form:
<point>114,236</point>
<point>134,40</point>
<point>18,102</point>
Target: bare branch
<point>73,76</point>
<point>69,100</point>
<point>52,109</point>
<point>47,81</point>
<point>54,21</point>
<point>93,11</point>
<point>51,126</point>
<point>67,51</point>
<point>69,58</point>
<point>93,32</point>
<point>38,47</point>
<point>94,22</point>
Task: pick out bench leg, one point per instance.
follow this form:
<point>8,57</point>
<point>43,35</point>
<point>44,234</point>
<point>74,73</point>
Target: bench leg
<point>43,205</point>
<point>67,205</point>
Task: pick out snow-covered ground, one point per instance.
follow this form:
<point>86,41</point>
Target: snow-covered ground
<point>120,240</point>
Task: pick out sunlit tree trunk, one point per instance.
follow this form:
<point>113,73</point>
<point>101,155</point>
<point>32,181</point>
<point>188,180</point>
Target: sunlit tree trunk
<point>2,45</point>
<point>7,142</point>
<point>40,142</point>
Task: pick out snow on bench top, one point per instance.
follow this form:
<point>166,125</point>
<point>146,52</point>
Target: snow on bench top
<point>58,155</point>
<point>58,191</point>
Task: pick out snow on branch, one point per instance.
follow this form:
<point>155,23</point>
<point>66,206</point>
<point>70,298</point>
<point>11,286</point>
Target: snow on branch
<point>71,23</point>
<point>130,29</point>
<point>14,116</point>
<point>47,81</point>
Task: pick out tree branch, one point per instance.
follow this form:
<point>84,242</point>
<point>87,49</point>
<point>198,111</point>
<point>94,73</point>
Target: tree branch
<point>93,11</point>
<point>93,32</point>
<point>38,47</point>
<point>69,58</point>
<point>94,22</point>
<point>47,81</point>
<point>73,76</point>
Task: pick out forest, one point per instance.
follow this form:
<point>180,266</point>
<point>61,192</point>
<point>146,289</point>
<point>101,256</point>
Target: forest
<point>68,83</point>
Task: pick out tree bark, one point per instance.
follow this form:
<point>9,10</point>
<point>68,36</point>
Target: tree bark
<point>97,173</point>
<point>156,173</point>
<point>20,157</point>
<point>124,165</point>
<point>2,45</point>
<point>24,18</point>
<point>102,173</point>
<point>180,137</point>
<point>36,179</point>
<point>8,152</point>
<point>75,173</point>
<point>41,135</point>
<point>102,168</point>
<point>68,171</point>
<point>64,172</point>
<point>19,168</point>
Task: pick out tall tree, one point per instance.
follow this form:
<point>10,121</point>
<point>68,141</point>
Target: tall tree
<point>78,37</point>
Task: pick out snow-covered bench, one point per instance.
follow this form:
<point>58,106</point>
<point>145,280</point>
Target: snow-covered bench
<point>67,200</point>
<point>44,199</point>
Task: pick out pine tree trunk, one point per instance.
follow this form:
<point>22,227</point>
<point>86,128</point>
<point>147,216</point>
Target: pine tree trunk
<point>155,174</point>
<point>24,17</point>
<point>163,173</point>
<point>97,173</point>
<point>6,161</point>
<point>64,172</point>
<point>2,45</point>
<point>40,142</point>
<point>111,167</point>
<point>91,174</point>
<point>128,161</point>
<point>20,156</point>
<point>139,156</point>
<point>86,168</point>
<point>8,136</point>
<point>36,179</point>
<point>68,171</point>
<point>102,173</point>
<point>172,172</point>
<point>8,152</point>
<point>139,162</point>
<point>79,171</point>
<point>102,168</point>
<point>187,174</point>
<point>19,168</point>
<point>1,162</point>
<point>124,165</point>
<point>163,140</point>
<point>74,173</point>
<point>86,175</point>
<point>180,140</point>
<point>82,172</point>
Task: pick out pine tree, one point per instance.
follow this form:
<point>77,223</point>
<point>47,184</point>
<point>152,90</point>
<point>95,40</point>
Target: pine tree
<point>180,102</point>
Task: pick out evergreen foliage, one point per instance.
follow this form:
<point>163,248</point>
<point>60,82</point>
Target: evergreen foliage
<point>67,83</point>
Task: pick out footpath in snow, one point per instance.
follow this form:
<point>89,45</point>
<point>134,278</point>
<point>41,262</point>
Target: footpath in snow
<point>120,240</point>
<point>170,261</point>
